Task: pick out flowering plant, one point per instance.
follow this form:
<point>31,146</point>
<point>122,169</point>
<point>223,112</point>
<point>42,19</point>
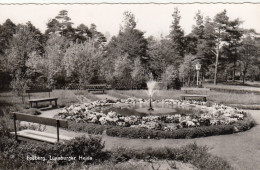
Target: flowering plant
<point>202,115</point>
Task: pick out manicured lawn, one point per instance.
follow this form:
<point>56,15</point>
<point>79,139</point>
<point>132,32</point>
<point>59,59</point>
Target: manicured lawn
<point>240,150</point>
<point>9,101</point>
<point>213,96</point>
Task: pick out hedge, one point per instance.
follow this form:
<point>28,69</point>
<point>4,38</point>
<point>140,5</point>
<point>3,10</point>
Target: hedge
<point>203,131</point>
<point>143,133</point>
<point>13,155</point>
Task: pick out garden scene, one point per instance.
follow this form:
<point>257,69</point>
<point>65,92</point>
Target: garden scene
<point>74,97</point>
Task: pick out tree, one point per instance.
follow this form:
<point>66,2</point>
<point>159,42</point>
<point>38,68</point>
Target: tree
<point>129,21</point>
<point>130,43</point>
<point>82,63</point>
<point>54,55</point>
<point>160,54</point>
<point>53,26</point>
<point>61,24</point>
<point>23,43</point>
<point>233,39</point>
<point>138,74</point>
<point>82,33</point>
<point>97,37</point>
<point>65,25</point>
<point>220,22</point>
<point>6,33</point>
<point>177,35</point>
<point>248,55</point>
<point>187,69</point>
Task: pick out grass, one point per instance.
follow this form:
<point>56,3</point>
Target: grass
<point>87,94</point>
<point>234,88</point>
<point>238,149</point>
<point>213,96</point>
<point>10,102</point>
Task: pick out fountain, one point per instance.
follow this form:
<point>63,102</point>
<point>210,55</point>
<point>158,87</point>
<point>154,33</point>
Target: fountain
<point>151,86</point>
<point>147,108</point>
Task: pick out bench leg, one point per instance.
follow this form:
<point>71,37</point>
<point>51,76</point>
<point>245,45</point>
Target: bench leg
<point>31,104</point>
<point>50,102</point>
<point>56,103</point>
<point>36,104</point>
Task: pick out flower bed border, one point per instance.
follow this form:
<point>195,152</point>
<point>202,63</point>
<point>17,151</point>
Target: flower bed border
<point>135,132</point>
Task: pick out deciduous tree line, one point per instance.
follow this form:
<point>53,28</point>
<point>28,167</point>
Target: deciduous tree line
<point>65,55</point>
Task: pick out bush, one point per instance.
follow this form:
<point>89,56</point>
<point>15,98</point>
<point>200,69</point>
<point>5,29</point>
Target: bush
<point>32,111</point>
<point>203,131</point>
<point>13,155</point>
<point>87,127</point>
<point>191,153</point>
<point>82,146</point>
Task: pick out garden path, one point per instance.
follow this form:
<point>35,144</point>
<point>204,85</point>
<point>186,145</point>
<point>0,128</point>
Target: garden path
<point>241,150</point>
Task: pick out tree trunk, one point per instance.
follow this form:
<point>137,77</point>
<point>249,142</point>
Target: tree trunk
<point>244,76</point>
<point>216,66</point>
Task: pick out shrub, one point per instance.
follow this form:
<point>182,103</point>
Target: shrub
<point>191,153</point>
<point>82,146</point>
<point>87,127</point>
<point>203,131</point>
<point>32,111</point>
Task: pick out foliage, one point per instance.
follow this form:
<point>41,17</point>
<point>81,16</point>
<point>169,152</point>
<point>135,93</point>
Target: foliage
<point>87,127</point>
<point>82,62</point>
<point>181,133</point>
<point>187,70</point>
<point>6,33</point>
<point>177,34</point>
<point>23,43</point>
<point>19,85</point>
<point>14,155</point>
<point>192,153</point>
<point>54,55</point>
<point>218,43</point>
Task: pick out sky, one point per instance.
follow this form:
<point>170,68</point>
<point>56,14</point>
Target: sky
<point>153,19</point>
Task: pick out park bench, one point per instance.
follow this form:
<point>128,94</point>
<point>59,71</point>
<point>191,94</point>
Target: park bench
<point>96,87</point>
<point>37,100</point>
<point>188,96</point>
<point>38,136</point>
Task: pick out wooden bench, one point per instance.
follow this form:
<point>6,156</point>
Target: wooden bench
<point>194,97</point>
<point>96,87</point>
<point>32,135</point>
<point>188,89</point>
<point>202,97</point>
<point>36,101</point>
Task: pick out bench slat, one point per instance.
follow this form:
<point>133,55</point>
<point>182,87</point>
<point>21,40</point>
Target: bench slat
<point>40,136</point>
<point>194,89</point>
<point>38,90</point>
<point>43,99</point>
<point>194,95</point>
<point>40,120</point>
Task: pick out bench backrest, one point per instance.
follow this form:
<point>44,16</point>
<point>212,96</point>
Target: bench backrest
<point>195,89</point>
<point>96,86</point>
<point>40,120</point>
<point>38,90</point>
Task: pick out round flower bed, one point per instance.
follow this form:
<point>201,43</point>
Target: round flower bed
<point>201,115</point>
